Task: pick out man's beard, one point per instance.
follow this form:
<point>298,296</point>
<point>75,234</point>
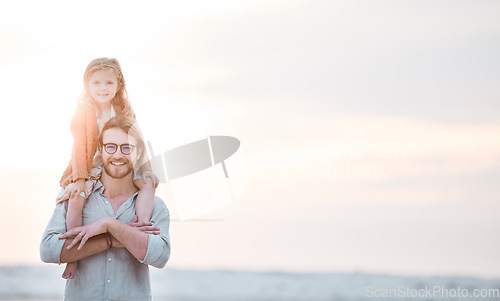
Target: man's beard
<point>124,171</point>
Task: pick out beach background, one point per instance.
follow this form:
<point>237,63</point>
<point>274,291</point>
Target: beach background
<point>369,131</point>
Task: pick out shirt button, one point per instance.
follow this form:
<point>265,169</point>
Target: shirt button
<point>109,281</point>
<point>109,259</point>
<point>105,202</point>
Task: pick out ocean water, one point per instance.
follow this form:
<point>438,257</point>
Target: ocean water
<point>44,283</point>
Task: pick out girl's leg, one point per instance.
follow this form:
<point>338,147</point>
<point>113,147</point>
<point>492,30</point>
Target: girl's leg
<point>145,202</point>
<point>73,219</point>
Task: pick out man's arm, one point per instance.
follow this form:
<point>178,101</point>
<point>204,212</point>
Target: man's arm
<point>54,250</point>
<point>158,250</point>
<point>150,249</point>
<point>93,246</point>
<point>51,245</point>
<point>134,240</point>
<point>91,238</point>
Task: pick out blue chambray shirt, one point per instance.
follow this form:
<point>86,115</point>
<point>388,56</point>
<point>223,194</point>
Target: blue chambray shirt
<point>113,274</point>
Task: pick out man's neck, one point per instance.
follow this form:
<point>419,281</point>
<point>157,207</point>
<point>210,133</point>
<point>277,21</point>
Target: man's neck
<point>118,188</point>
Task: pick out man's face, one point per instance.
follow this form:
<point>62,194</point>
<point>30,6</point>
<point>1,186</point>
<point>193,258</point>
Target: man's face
<point>118,165</point>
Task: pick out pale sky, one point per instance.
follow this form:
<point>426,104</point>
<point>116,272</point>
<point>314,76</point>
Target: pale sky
<point>370,129</point>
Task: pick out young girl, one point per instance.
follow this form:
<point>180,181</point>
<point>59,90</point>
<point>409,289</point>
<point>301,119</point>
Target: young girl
<point>103,96</point>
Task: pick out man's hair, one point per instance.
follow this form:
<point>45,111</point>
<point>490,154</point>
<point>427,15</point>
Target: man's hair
<point>129,126</point>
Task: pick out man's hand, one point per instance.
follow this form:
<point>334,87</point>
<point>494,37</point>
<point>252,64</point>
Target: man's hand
<point>82,234</point>
<point>144,227</point>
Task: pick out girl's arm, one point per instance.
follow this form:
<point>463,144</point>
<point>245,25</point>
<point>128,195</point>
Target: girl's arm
<point>75,209</point>
<point>83,124</point>
<point>144,203</point>
<point>145,166</point>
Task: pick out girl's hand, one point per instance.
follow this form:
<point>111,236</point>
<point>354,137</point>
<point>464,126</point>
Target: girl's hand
<point>82,234</point>
<point>77,188</point>
<point>152,178</point>
<point>146,227</point>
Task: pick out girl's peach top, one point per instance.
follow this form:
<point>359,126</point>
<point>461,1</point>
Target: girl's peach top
<point>84,130</point>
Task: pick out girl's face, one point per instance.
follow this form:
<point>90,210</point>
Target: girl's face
<point>103,85</point>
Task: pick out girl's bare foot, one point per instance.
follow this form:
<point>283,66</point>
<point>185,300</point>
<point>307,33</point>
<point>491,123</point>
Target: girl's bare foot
<point>70,270</point>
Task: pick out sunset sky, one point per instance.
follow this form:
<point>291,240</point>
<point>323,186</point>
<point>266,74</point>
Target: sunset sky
<point>370,130</point>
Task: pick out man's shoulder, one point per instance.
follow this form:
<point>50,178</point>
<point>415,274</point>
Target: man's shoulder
<point>160,211</point>
<point>160,204</point>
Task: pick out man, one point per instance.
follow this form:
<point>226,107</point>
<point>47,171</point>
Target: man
<point>113,250</point>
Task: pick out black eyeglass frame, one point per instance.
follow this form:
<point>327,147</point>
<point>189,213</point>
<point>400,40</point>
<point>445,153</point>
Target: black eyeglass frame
<point>132,147</point>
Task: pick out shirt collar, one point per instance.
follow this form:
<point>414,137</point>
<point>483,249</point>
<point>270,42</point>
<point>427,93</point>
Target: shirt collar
<point>98,187</point>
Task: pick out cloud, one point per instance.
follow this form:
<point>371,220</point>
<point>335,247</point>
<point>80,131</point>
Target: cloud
<point>429,60</point>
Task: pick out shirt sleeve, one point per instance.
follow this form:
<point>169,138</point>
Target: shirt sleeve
<point>51,245</point>
<point>158,251</point>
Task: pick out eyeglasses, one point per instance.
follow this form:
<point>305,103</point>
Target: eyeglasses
<point>126,149</point>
